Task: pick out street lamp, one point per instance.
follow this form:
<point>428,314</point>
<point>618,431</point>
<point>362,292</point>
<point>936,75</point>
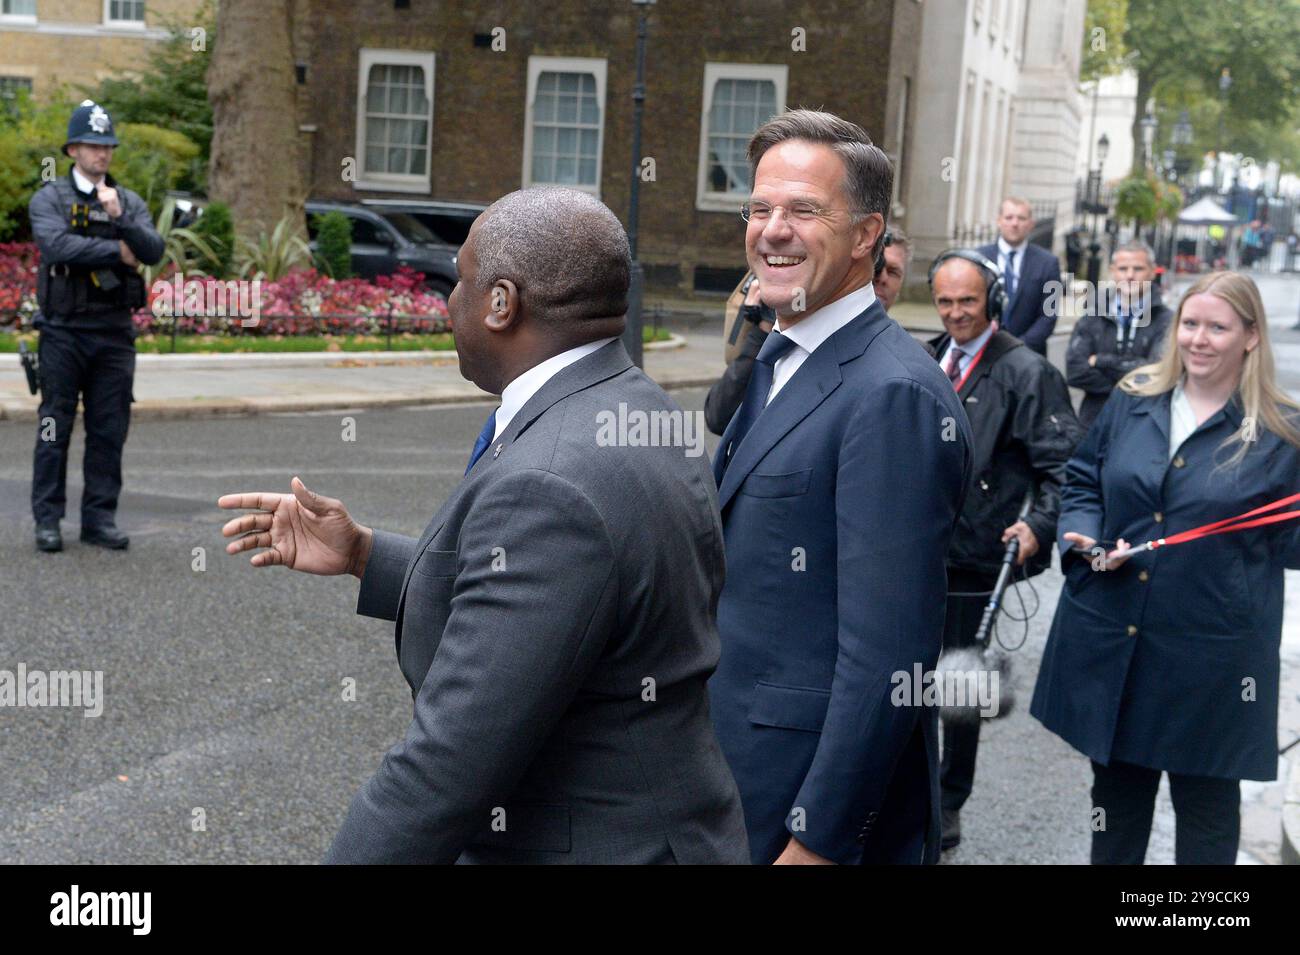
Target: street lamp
<point>1181,137</point>
<point>1094,204</point>
<point>632,331</point>
<point>1225,84</point>
<point>1148,125</point>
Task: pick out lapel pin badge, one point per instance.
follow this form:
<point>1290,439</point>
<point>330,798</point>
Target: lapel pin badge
<point>496,452</point>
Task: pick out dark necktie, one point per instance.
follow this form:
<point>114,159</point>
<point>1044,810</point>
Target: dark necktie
<point>1011,275</point>
<point>760,383</point>
<point>483,440</point>
<point>1126,325</point>
<point>954,365</point>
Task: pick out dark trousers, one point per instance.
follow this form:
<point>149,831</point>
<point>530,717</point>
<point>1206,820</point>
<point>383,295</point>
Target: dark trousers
<point>98,367</point>
<point>961,742</point>
<point>1207,813</point>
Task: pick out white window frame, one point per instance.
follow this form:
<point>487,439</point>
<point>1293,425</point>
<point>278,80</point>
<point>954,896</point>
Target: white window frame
<point>18,19</point>
<point>537,65</point>
<point>779,74</point>
<point>108,21</point>
<point>392,182</point>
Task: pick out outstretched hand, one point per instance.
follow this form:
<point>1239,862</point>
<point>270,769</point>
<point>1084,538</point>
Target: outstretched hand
<point>302,530</point>
<point>1089,545</point>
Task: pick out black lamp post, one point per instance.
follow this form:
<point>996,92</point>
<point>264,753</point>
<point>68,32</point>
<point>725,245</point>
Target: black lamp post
<point>1095,206</point>
<point>632,332</point>
<point>1180,138</point>
<point>1225,84</point>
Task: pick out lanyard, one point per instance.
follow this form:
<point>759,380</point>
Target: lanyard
<point>1225,526</point>
<point>976,360</point>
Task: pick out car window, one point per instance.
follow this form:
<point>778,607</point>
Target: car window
<point>365,232</point>
<point>409,226</point>
<point>452,229</point>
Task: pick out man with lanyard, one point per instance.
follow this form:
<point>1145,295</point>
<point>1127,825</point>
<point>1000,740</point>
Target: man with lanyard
<point>1127,329</point>
<point>1024,432</point>
<point>92,234</point>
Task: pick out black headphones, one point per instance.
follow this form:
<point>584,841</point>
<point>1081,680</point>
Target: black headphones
<point>996,301</point>
<point>879,265</point>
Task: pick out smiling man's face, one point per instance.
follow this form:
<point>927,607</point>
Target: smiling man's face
<point>818,249</point>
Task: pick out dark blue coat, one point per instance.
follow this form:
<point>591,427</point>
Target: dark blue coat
<point>838,508</point>
<point>1031,313</point>
<point>1145,664</point>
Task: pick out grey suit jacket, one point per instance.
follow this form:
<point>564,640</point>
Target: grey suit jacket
<point>556,624</point>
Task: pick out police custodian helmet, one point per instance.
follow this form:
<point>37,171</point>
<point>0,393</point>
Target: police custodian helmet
<point>90,124</point>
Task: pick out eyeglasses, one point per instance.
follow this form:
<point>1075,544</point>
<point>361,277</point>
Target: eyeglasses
<point>798,211</point>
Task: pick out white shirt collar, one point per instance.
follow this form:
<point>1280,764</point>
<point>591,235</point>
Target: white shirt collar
<point>84,184</point>
<point>811,331</point>
<point>1006,248</point>
<point>516,394</point>
<point>970,349</point>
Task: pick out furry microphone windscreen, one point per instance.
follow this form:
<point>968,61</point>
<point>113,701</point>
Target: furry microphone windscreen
<point>974,683</point>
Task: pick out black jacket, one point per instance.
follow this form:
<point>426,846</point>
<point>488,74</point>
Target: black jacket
<point>1096,335</point>
<point>1025,431</point>
<point>67,248</point>
<point>728,392</point>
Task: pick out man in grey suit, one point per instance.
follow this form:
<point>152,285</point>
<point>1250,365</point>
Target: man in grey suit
<point>555,621</point>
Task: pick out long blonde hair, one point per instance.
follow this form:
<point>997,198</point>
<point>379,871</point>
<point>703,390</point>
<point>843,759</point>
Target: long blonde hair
<point>1263,402</point>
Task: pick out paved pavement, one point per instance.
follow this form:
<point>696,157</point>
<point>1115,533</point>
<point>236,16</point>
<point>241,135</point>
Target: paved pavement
<point>224,687</point>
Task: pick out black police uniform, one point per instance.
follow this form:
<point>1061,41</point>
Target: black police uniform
<point>86,295</point>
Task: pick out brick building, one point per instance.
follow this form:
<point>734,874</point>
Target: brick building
<point>470,100</point>
<point>45,43</point>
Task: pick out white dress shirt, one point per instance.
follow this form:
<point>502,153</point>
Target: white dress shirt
<point>814,329</point>
<point>1182,420</point>
<point>1005,250</point>
<point>969,350</point>
<point>84,184</point>
<point>516,394</point>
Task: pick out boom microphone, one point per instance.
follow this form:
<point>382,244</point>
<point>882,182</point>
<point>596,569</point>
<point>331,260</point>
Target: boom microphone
<point>975,681</point>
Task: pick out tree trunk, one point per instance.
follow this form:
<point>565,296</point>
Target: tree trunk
<point>254,166</point>
<point>1145,84</point>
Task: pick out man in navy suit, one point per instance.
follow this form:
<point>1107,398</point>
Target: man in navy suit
<point>1030,274</point>
<point>840,480</point>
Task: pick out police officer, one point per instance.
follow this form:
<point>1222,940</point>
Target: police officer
<point>92,234</point>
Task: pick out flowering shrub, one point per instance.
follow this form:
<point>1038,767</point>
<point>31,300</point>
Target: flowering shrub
<point>17,281</point>
<point>301,303</point>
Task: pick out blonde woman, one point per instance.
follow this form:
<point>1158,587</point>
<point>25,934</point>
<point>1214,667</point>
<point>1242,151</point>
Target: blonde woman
<point>1168,660</point>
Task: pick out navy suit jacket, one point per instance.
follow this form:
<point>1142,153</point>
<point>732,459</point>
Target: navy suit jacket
<point>1029,316</point>
<point>838,508</point>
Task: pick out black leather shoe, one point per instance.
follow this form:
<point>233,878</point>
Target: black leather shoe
<point>951,837</point>
<point>105,536</point>
<point>48,537</point>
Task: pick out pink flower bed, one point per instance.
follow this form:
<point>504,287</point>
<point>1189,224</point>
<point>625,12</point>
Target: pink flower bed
<point>301,303</point>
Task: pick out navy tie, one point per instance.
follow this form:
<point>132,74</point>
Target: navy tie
<point>760,383</point>
<point>1011,275</point>
<point>483,440</point>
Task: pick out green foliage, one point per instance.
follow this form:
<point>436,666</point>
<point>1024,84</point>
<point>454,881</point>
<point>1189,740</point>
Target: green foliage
<point>170,91</point>
<point>150,159</point>
<point>216,228</point>
<point>271,257</point>
<point>1181,47</point>
<point>1136,199</point>
<point>1169,200</point>
<point>183,249</point>
<point>334,244</point>
<point>1104,52</point>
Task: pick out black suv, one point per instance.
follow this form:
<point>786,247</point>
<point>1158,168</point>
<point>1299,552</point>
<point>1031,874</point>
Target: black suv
<point>387,234</point>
